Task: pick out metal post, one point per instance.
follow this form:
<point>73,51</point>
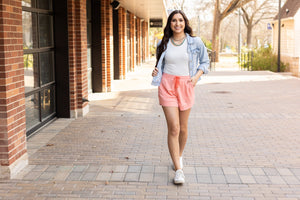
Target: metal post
<point>252,60</point>
<point>248,62</point>
<point>279,34</point>
<point>244,61</point>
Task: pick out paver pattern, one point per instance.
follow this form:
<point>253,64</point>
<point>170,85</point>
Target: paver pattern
<point>244,144</point>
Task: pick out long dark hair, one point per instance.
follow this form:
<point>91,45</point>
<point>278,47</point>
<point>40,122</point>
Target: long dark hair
<point>169,33</point>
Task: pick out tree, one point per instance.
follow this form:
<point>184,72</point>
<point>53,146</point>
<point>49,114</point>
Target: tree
<point>219,16</point>
<point>253,13</point>
<point>177,4</point>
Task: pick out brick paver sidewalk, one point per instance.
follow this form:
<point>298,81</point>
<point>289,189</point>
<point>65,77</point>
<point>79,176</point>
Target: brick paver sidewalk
<point>243,144</point>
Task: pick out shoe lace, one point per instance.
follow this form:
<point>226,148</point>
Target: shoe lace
<point>179,173</point>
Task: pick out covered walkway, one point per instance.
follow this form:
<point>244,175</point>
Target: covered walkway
<point>243,144</point>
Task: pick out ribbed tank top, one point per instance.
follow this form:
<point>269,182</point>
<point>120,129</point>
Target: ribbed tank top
<point>177,59</point>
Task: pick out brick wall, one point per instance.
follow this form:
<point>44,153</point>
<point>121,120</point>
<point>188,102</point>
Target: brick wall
<point>77,57</point>
<point>132,44</point>
<point>12,92</point>
<point>107,45</point>
<point>139,41</point>
<point>122,40</point>
<point>110,57</point>
<point>145,41</point>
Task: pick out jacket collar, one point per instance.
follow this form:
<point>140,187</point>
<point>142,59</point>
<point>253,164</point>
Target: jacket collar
<point>189,38</point>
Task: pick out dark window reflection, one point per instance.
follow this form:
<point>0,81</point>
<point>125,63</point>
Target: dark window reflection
<point>32,110</point>
<point>47,102</point>
<point>47,67</point>
<point>45,4</point>
<point>45,27</point>
<point>89,33</point>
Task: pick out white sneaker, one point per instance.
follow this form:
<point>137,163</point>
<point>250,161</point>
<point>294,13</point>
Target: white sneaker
<point>179,177</point>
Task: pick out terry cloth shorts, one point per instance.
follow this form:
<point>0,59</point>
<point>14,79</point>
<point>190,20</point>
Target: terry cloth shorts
<point>176,91</point>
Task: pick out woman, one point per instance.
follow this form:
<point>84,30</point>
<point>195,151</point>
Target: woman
<point>181,60</point>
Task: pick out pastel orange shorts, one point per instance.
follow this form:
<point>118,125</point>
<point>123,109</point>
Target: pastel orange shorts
<point>176,91</point>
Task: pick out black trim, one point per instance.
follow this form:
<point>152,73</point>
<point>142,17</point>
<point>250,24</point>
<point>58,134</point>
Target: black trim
<point>39,125</point>
<point>38,50</point>
<point>116,44</point>
<point>38,89</point>
<point>62,77</point>
<point>36,10</point>
<point>96,47</point>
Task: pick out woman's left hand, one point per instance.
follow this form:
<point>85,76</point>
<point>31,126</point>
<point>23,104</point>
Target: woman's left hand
<point>195,78</point>
<point>193,81</point>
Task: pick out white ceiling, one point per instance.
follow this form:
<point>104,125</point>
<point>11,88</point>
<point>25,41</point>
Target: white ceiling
<point>145,9</point>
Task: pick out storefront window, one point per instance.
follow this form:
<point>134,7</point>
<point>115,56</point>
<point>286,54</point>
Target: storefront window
<point>89,43</point>
<point>31,75</point>
<point>38,48</point>
<point>47,71</point>
<point>45,4</point>
<point>32,110</point>
<point>47,102</point>
<point>45,30</point>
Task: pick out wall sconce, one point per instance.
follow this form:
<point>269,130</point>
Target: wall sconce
<point>115,4</point>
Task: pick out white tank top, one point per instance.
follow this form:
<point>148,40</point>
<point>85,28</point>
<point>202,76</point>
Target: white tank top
<point>177,59</point>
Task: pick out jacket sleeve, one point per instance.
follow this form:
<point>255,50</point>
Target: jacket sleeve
<point>203,58</point>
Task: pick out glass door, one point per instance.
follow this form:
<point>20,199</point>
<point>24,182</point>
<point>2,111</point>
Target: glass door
<point>89,43</point>
<point>38,47</point>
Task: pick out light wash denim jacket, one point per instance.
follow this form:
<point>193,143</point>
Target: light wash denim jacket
<point>198,59</point>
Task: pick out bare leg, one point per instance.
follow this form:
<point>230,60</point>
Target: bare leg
<point>183,134</point>
<point>172,118</point>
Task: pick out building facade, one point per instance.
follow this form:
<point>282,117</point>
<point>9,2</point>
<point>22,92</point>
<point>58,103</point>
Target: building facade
<point>290,35</point>
<point>53,54</point>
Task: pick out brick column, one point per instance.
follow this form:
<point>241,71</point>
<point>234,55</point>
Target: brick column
<point>144,41</point>
<point>139,36</point>
<point>109,44</point>
<point>132,44</point>
<point>78,57</point>
<point>147,42</point>
<point>122,40</point>
<point>13,153</point>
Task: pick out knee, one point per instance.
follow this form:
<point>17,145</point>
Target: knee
<point>183,130</point>
<point>174,130</point>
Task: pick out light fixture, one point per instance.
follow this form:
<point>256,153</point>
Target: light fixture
<point>287,11</point>
<point>115,5</point>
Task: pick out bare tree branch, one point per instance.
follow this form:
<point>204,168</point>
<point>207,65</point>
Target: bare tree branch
<point>234,4</point>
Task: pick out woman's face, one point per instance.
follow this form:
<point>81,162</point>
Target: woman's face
<point>177,23</point>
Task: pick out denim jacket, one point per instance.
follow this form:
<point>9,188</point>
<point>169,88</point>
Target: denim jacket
<point>198,59</point>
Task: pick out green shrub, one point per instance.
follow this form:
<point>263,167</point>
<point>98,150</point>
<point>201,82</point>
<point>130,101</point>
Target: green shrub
<point>207,43</point>
<point>265,59</point>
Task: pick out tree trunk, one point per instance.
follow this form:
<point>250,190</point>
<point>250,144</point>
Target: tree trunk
<point>249,36</point>
<point>216,31</point>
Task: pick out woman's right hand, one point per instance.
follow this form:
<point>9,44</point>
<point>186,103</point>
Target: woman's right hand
<point>155,72</point>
